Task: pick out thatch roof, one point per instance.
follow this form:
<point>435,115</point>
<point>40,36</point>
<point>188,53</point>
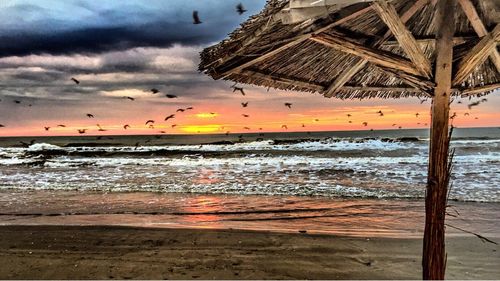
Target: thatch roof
<point>316,54</point>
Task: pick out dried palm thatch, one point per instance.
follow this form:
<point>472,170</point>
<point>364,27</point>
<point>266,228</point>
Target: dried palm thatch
<point>350,51</point>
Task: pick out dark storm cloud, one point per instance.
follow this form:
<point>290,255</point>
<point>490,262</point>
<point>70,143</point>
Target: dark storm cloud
<point>119,28</point>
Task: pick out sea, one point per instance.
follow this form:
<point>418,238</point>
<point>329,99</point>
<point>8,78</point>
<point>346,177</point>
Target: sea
<point>358,183</point>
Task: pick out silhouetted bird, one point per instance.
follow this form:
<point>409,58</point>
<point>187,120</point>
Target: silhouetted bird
<point>62,126</point>
<point>46,128</point>
<point>303,125</point>
<point>100,128</point>
<point>349,115</point>
<point>238,89</point>
<point>365,124</point>
<point>82,131</point>
<point>150,121</point>
<point>189,108</point>
<point>380,113</point>
<point>244,104</point>
<point>126,126</point>
<point>74,80</point>
<point>171,96</point>
<point>17,101</point>
<point>240,9</point>
<point>171,116</point>
<point>471,105</point>
<point>246,128</point>
<point>245,115</point>
<point>90,115</point>
<point>453,116</point>
<point>417,114</point>
<point>466,114</point>
<point>130,98</point>
<point>155,91</point>
<point>287,104</point>
<point>174,125</point>
<point>459,102</point>
<point>180,110</point>
<point>394,125</point>
<point>2,126</point>
<point>317,120</point>
<point>284,127</point>
<point>151,126</point>
<point>484,100</point>
<point>196,18</point>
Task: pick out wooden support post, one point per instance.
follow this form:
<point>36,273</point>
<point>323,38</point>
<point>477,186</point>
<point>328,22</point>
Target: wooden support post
<point>434,255</point>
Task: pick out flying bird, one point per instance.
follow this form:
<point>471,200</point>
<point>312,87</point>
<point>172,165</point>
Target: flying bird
<point>126,126</point>
<point>417,114</point>
<point>244,104</point>
<point>471,105</point>
<point>287,104</point>
<point>240,9</point>
<point>100,128</point>
<point>246,128</point>
<point>150,121</point>
<point>46,128</point>
<point>453,116</point>
<point>171,96</point>
<point>365,124</point>
<point>151,126</point>
<point>303,125</point>
<point>171,116</point>
<point>317,120</point>
<point>130,98</point>
<point>245,115</point>
<point>82,131</point>
<point>17,101</point>
<point>380,113</point>
<point>180,110</point>
<point>90,115</point>
<point>238,89</point>
<point>174,125</point>
<point>484,100</point>
<point>349,115</point>
<point>284,127</point>
<point>196,18</point>
<point>189,108</point>
<point>2,126</point>
<point>155,91</point>
<point>74,80</point>
<point>62,126</point>
<point>466,114</point>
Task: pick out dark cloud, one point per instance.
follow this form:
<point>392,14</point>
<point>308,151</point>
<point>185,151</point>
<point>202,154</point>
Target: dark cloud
<point>116,29</point>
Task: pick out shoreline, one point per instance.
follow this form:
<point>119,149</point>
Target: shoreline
<point>117,252</point>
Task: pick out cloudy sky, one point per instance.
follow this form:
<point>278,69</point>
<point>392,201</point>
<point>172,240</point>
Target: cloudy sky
<point>125,48</point>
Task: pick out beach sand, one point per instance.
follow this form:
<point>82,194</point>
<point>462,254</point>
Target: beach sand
<point>112,252</point>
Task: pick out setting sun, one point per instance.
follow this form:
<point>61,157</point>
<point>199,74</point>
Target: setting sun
<point>201,128</point>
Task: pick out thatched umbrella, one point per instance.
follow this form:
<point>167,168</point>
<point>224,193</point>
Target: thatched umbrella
<point>352,49</point>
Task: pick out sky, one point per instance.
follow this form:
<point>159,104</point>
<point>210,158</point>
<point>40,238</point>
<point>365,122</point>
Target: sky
<point>126,48</point>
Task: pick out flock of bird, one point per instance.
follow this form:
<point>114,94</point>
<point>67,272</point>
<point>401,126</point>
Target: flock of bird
<point>240,9</point>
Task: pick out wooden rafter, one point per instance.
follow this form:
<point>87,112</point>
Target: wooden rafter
<point>479,28</point>
<point>292,81</point>
<point>345,76</point>
<point>480,89</point>
<point>390,16</point>
<point>375,56</point>
<point>349,13</point>
<point>477,55</point>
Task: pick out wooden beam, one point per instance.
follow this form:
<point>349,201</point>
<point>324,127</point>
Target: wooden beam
<point>292,81</point>
<point>390,16</point>
<point>408,14</point>
<point>479,28</point>
<point>477,55</point>
<point>375,56</point>
<point>434,254</point>
<point>480,89</point>
<point>344,77</point>
<point>348,13</point>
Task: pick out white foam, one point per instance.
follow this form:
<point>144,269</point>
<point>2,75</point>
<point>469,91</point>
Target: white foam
<point>43,147</point>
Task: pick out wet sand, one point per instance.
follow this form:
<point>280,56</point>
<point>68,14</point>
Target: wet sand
<point>113,252</point>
